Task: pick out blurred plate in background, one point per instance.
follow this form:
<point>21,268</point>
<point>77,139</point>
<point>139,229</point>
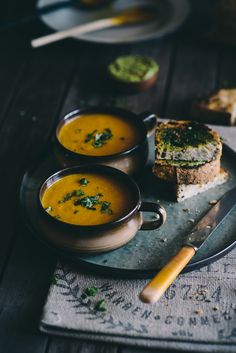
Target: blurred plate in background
<point>173,13</point>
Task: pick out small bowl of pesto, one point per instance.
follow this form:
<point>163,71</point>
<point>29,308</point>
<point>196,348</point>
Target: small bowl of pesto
<point>104,135</point>
<point>133,73</point>
<point>94,209</point>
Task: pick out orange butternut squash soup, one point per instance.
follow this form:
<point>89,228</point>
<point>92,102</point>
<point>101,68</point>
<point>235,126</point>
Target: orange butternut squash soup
<point>87,199</point>
<point>99,134</point>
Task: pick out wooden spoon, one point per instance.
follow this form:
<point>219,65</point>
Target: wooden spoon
<point>129,16</point>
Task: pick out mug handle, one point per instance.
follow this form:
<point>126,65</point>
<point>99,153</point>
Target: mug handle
<point>156,208</point>
<point>150,121</point>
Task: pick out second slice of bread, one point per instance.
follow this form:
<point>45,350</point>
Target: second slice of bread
<point>216,108</point>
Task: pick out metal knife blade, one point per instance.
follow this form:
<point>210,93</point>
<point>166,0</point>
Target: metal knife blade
<point>212,219</point>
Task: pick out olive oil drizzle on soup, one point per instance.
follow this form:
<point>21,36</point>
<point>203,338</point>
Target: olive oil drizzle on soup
<point>87,199</point>
<point>99,134</point>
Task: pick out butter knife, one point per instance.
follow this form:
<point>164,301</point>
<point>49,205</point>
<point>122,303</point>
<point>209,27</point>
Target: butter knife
<point>196,238</point>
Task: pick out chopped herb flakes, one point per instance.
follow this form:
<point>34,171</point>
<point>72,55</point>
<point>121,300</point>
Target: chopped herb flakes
<point>83,181</point>
<point>105,207</point>
<point>98,139</point>
<point>88,202</point>
<point>91,291</point>
<point>100,306</point>
<point>79,198</point>
<point>79,192</point>
<point>90,136</point>
<point>69,195</point>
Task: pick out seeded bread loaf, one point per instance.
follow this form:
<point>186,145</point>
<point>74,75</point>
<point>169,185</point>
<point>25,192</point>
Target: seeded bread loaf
<point>217,108</point>
<point>188,154</point>
<point>187,173</point>
<point>187,141</point>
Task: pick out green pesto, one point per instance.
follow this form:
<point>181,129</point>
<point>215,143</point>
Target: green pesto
<point>189,135</point>
<point>185,163</point>
<point>133,69</point>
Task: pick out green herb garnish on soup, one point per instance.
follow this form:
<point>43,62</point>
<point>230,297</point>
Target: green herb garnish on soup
<point>98,139</point>
<point>104,199</point>
<point>99,134</point>
<point>83,181</point>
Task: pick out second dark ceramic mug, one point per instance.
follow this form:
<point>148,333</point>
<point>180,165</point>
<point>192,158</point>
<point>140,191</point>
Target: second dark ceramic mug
<point>129,161</point>
<point>101,237</point>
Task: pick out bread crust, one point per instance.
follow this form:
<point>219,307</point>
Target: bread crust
<point>204,115</point>
<point>184,192</point>
<point>203,152</point>
<point>187,175</point>
<point>204,111</point>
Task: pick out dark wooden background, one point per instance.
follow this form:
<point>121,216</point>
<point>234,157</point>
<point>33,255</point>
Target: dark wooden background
<point>36,88</point>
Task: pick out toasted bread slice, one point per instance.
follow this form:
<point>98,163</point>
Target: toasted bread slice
<point>184,191</point>
<point>187,141</point>
<point>217,108</point>
<point>187,173</point>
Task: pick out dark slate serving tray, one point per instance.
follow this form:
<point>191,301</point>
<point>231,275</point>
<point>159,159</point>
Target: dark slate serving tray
<point>149,250</point>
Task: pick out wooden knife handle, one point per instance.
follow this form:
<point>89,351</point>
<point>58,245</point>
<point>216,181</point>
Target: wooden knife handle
<point>159,284</point>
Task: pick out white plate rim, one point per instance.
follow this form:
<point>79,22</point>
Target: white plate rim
<point>181,10</point>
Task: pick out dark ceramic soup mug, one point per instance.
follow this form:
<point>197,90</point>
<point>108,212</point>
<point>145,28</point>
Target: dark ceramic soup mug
<point>129,161</point>
<point>99,237</point>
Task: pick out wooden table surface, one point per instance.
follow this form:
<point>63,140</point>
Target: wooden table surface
<point>36,88</point>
